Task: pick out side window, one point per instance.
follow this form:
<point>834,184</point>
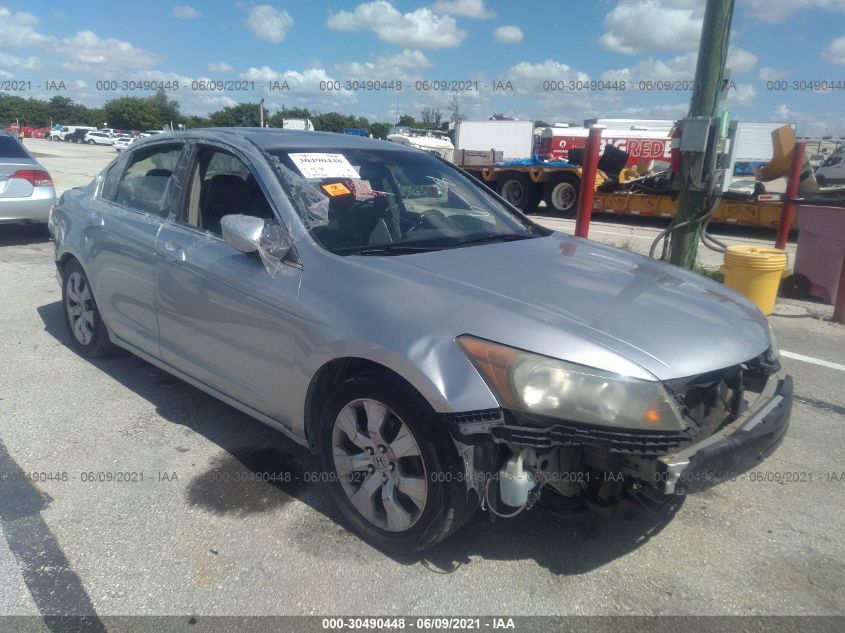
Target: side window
<point>144,185</point>
<point>221,184</point>
<point>109,190</point>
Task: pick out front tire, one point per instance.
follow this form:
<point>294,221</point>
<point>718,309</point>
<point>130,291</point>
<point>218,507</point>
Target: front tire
<point>88,334</point>
<point>394,471</point>
<point>90,142</point>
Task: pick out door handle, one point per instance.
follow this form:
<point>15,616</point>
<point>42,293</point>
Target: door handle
<point>94,218</point>
<point>172,251</point>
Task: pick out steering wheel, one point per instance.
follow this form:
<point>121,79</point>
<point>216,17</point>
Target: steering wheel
<point>424,217</point>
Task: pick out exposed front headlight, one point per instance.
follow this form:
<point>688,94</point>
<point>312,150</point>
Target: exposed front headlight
<point>549,387</point>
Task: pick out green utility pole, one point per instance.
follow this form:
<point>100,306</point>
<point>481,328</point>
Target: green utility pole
<point>712,53</point>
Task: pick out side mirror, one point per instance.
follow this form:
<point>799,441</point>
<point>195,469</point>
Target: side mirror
<point>242,232</point>
<point>248,234</point>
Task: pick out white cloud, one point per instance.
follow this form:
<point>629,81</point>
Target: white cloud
<point>19,29</point>
<point>835,51</point>
<point>220,67</point>
<point>741,60</point>
<point>421,28</point>
<point>660,111</point>
<point>812,124</point>
<point>773,11</point>
<point>643,26</point>
<point>508,34</point>
<point>528,77</point>
<point>88,52</point>
<point>465,8</point>
<point>304,87</point>
<point>85,51</point>
<point>385,67</point>
<point>678,68</point>
<point>767,73</point>
<point>185,12</point>
<point>269,23</point>
<point>741,96</point>
<point>21,63</point>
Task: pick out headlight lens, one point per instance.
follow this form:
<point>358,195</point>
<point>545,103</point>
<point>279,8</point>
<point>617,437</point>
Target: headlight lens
<point>554,388</point>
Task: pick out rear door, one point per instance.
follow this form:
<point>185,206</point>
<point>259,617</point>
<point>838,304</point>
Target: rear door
<point>128,211</point>
<point>223,319</point>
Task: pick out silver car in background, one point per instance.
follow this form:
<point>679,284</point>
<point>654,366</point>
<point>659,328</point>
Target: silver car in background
<point>435,347</point>
<point>26,189</point>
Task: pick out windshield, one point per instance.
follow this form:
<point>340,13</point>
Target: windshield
<point>382,201</point>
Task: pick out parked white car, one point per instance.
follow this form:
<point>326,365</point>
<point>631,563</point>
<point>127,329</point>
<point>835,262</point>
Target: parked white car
<point>123,141</point>
<point>99,138</point>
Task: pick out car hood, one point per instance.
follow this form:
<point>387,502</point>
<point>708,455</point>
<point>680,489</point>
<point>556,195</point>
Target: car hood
<point>574,299</point>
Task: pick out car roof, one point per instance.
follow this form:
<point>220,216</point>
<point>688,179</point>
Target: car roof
<point>276,138</point>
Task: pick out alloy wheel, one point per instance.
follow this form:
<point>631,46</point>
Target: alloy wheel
<point>379,464</point>
<point>79,303</point>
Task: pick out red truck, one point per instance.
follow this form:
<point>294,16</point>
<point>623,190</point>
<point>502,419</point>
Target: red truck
<point>554,143</point>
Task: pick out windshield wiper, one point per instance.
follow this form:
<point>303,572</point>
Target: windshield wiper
<point>386,249</point>
<point>496,237</point>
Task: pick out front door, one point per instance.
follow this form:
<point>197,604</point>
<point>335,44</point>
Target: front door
<point>223,319</point>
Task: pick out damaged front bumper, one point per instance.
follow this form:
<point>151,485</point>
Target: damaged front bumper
<point>734,449</point>
<point>667,463</point>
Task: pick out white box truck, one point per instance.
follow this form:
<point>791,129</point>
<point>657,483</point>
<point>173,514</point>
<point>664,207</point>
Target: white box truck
<point>515,139</point>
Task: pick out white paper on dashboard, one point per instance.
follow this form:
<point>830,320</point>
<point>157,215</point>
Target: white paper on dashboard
<point>319,165</point>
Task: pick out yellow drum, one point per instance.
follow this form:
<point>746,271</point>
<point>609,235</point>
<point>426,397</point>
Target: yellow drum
<point>755,271</point>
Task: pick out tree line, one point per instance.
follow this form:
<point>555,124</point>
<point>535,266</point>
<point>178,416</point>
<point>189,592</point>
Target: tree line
<point>159,110</point>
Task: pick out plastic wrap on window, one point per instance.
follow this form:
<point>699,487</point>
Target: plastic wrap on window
<point>309,202</point>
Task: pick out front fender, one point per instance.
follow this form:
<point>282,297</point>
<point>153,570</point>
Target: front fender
<point>435,366</point>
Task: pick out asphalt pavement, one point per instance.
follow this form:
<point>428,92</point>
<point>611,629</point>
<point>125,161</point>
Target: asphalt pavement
<point>133,493</point>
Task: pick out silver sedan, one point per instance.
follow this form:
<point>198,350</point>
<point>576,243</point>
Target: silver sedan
<point>26,189</point>
<point>436,348</point>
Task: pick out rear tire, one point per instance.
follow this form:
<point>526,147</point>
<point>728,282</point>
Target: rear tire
<point>561,196</point>
<point>518,189</point>
<point>88,334</point>
<point>90,142</point>
<point>393,469</point>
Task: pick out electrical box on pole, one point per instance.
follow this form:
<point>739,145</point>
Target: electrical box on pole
<point>709,74</point>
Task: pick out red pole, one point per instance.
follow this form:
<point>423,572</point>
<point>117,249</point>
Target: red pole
<point>787,214</point>
<point>839,305</point>
<point>588,181</point>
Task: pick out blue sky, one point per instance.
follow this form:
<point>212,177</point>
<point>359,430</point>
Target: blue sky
<point>484,41</point>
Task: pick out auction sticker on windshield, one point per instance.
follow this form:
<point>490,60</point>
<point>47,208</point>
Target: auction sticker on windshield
<point>323,166</point>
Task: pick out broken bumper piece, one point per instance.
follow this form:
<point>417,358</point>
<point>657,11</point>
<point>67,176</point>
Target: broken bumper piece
<point>734,449</point>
